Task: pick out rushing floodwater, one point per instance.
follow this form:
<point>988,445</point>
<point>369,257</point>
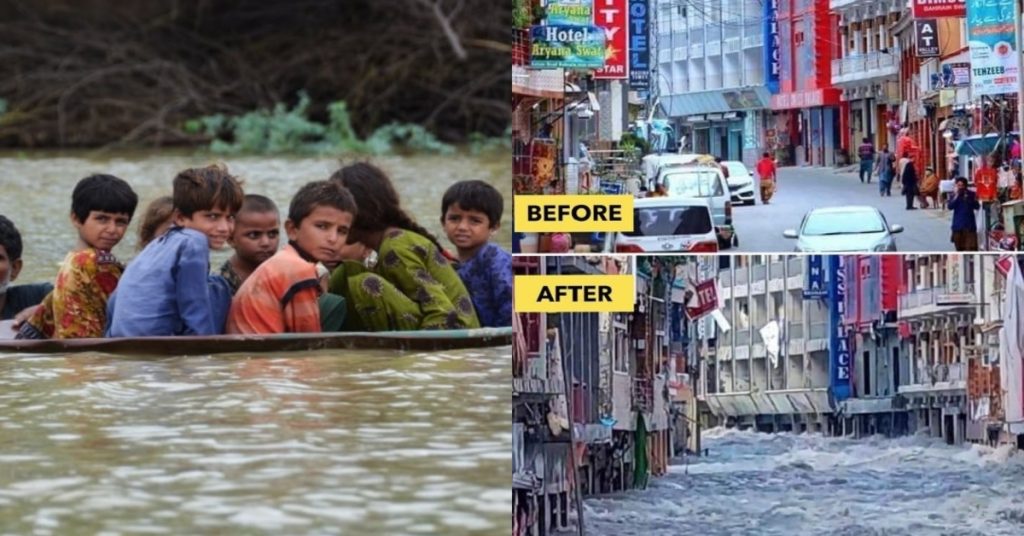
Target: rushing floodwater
<point>317,443</point>
<point>807,484</point>
<point>35,190</point>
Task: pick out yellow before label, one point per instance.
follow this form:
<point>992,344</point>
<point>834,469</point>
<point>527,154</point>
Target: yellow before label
<point>572,213</point>
<point>574,293</point>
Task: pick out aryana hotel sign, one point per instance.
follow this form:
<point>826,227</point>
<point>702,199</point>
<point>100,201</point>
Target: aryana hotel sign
<point>939,8</point>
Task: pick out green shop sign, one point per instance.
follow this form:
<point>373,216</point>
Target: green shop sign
<point>569,12</point>
<point>571,47</point>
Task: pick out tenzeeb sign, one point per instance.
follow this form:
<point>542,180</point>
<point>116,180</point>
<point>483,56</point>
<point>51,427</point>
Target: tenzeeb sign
<point>939,8</point>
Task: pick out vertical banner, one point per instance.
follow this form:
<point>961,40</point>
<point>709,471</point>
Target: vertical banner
<point>839,343</point>
<point>814,282</point>
<point>772,60</point>
<point>926,37</point>
<point>992,36</point>
<point>611,15</point>
<point>639,45</point>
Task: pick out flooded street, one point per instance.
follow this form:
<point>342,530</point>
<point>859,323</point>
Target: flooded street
<point>36,190</point>
<point>786,484</point>
<point>368,442</point>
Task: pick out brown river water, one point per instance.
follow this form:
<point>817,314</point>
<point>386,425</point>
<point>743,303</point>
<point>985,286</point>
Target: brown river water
<point>336,442</point>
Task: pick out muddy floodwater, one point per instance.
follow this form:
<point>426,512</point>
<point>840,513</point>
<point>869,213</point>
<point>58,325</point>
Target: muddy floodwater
<point>340,442</point>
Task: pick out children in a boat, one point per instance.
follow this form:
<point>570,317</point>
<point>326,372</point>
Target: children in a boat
<point>167,289</point>
<point>20,298</point>
<point>102,206</point>
<point>256,238</point>
<point>471,214</point>
<point>282,294</point>
<point>412,286</point>
<point>157,219</point>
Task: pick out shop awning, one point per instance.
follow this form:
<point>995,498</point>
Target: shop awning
<point>979,144</point>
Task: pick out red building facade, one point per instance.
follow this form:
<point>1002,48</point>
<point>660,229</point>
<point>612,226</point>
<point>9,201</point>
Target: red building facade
<point>807,106</point>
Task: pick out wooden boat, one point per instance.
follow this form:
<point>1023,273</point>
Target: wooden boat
<point>433,340</point>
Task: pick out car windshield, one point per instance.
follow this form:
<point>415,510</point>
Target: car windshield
<point>693,183</point>
<point>836,223</point>
<point>667,221</point>
<point>736,168</point>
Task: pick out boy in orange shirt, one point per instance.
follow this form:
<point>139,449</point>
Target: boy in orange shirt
<point>281,295</point>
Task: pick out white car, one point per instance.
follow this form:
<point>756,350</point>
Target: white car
<point>741,183</point>
<point>667,225</point>
<point>844,229</point>
<point>703,182</point>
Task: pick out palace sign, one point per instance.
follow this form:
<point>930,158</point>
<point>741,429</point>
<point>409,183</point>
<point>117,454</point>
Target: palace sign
<point>772,59</point>
<point>939,8</point>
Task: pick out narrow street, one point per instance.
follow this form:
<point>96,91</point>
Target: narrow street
<point>760,227</point>
<point>787,484</point>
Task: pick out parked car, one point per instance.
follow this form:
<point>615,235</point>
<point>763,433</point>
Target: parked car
<point>704,182</point>
<point>741,183</point>
<point>842,229</point>
<point>667,225</point>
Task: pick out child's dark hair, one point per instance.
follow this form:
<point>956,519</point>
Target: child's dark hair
<point>379,207</point>
<point>10,238</point>
<point>157,213</point>
<point>959,180</point>
<point>258,203</point>
<point>206,188</point>
<point>105,193</point>
<point>475,195</point>
<point>320,194</point>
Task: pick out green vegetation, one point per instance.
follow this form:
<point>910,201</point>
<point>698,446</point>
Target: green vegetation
<point>290,131</point>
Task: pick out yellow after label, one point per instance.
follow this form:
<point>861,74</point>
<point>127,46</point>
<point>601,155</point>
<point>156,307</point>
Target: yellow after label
<point>572,213</point>
<point>574,293</point>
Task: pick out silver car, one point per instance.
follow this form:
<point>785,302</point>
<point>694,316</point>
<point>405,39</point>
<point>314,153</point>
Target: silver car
<point>842,229</point>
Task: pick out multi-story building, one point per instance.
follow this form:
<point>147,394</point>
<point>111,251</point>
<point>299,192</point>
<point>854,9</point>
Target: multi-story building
<point>748,386</point>
<point>711,65</point>
<point>807,123</point>
<point>867,70</point>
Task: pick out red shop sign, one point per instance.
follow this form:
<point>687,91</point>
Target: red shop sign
<point>611,15</point>
<point>939,8</point>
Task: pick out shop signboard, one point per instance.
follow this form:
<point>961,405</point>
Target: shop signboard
<point>991,38</point>
<point>839,342</point>
<point>612,16</point>
<point>571,47</point>
<point>938,8</point>
<point>639,45</point>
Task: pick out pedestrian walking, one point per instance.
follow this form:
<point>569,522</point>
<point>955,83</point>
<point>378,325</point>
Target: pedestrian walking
<point>866,152</point>
<point>885,166</point>
<point>766,172</point>
<point>963,203</point>
<point>908,178</point>
<point>928,187</point>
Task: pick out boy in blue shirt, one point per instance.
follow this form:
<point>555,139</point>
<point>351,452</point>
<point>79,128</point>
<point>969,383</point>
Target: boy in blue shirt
<point>16,299</point>
<point>471,214</point>
<point>167,289</point>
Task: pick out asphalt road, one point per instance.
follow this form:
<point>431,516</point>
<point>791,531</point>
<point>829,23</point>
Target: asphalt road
<point>760,227</point>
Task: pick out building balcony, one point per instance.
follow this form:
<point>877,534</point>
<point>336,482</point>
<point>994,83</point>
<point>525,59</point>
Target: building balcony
<point>864,68</point>
<point>546,83</point>
<point>937,301</point>
<point>837,5</point>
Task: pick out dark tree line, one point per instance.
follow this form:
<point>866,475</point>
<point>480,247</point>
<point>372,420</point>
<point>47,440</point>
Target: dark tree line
<point>96,73</point>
